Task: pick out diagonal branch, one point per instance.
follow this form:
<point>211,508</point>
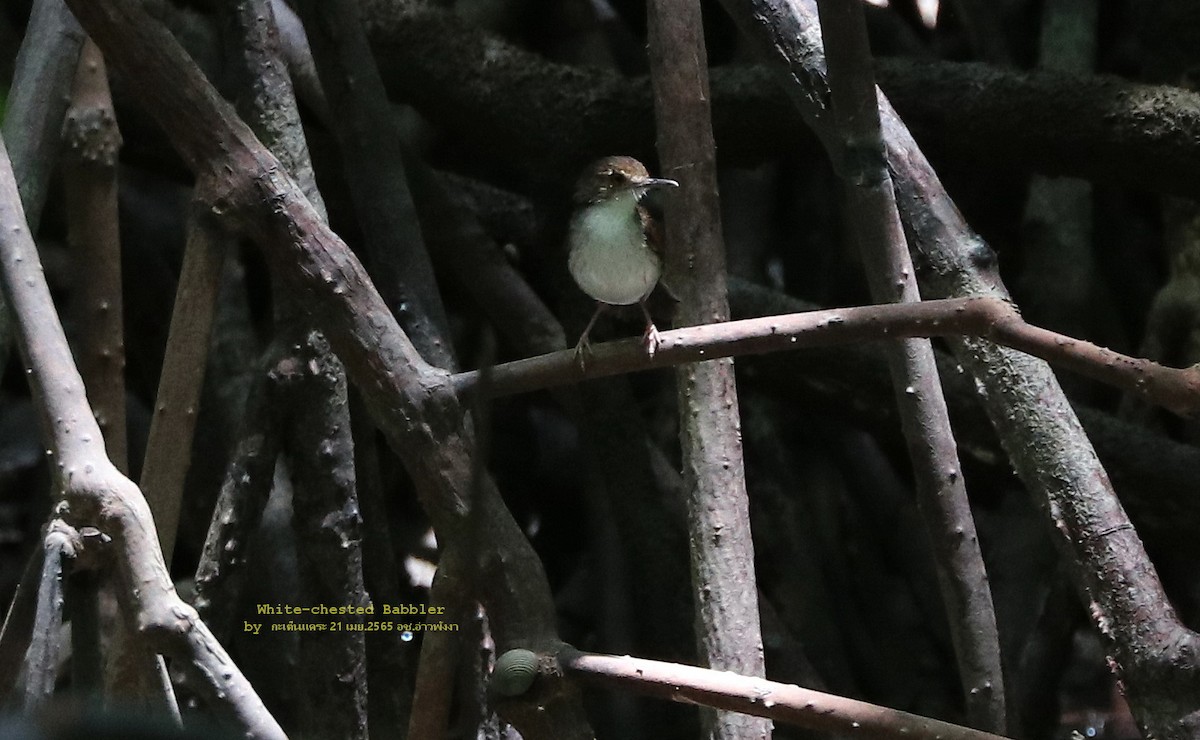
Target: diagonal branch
<point>173,426</point>
<point>788,703</point>
<point>18,625</point>
<point>41,661</point>
<point>369,141</point>
<point>41,87</point>
<point>33,113</point>
<point>941,492</point>
<point>95,493</point>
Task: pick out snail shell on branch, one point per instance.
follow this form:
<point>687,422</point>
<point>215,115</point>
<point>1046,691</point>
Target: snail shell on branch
<point>515,672</point>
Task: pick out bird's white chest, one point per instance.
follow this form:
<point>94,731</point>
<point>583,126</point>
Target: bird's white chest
<point>609,258</point>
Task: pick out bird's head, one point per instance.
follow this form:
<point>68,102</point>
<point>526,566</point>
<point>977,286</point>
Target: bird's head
<point>613,176</point>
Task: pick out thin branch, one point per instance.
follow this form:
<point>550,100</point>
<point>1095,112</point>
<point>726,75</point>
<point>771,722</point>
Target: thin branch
<point>169,447</point>
<point>1046,657</point>
<point>1062,285</point>
<point>300,66</point>
<point>18,624</point>
<point>452,591</point>
<point>87,660</point>
<point>461,245</point>
<point>41,662</point>
<point>441,653</point>
<point>813,710</point>
<point>375,172</point>
<point>38,99</point>
<point>388,662</point>
<point>1176,389</point>
<point>33,113</point>
<point>138,675</point>
<point>941,493</point>
<point>239,508</point>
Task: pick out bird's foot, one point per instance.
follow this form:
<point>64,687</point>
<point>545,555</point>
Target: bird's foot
<point>651,339</point>
<point>583,348</point>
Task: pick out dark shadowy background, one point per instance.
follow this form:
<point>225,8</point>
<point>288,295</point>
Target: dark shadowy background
<point>850,600</point>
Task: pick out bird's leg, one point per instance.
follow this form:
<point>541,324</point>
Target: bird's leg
<point>583,347</point>
<point>650,337</point>
<point>662,283</point>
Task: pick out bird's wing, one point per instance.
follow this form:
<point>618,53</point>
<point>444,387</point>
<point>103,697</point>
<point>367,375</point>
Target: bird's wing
<point>652,228</point>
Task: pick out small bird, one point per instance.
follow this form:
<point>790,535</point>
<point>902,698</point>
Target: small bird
<point>614,241</point>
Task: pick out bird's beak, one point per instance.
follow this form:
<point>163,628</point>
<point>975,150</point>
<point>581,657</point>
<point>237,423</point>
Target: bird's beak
<point>658,182</point>
<point>653,183</point>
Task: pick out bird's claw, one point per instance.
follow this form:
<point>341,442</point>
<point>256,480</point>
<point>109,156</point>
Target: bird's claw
<point>583,348</point>
<point>652,339</point>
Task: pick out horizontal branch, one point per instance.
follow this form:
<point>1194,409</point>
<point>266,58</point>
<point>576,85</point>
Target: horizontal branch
<point>1175,389</point>
<point>518,108</point>
<point>524,110</point>
<point>806,708</point>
